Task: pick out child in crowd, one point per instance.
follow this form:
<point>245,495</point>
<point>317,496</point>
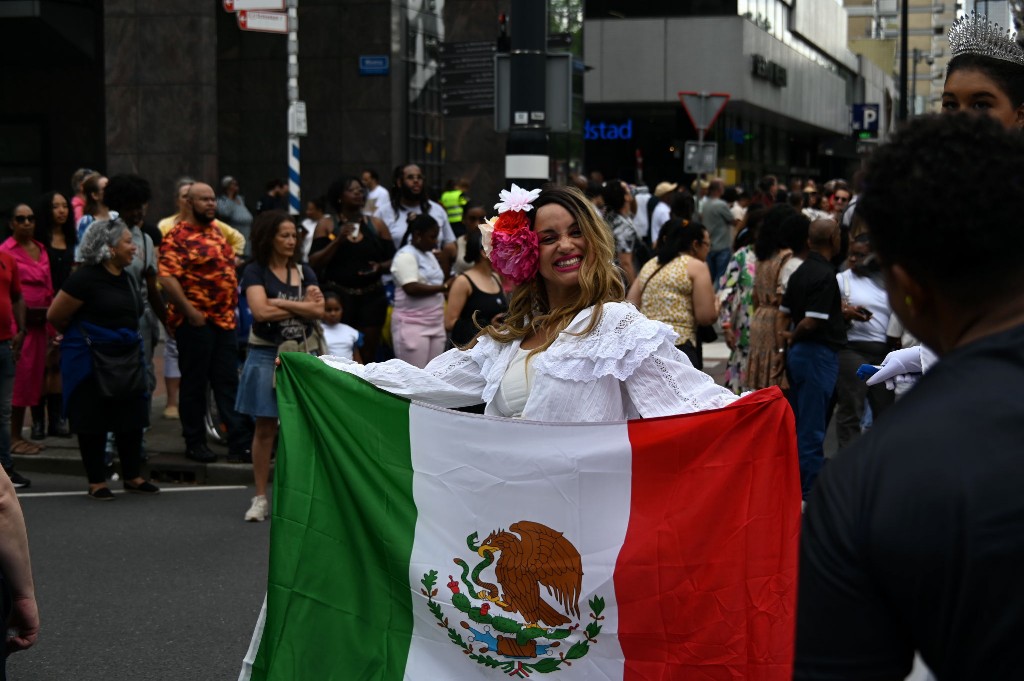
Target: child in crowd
<point>342,339</point>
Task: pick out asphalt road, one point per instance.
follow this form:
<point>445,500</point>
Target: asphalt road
<point>163,587</point>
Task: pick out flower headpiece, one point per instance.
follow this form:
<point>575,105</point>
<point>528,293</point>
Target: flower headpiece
<point>508,240</point>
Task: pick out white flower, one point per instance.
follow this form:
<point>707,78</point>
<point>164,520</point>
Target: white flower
<point>516,199</point>
<point>486,229</point>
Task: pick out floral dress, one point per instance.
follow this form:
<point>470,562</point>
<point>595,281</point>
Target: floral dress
<point>737,310</point>
<point>766,366</point>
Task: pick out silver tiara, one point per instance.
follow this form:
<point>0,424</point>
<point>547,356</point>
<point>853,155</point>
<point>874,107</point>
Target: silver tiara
<point>974,34</point>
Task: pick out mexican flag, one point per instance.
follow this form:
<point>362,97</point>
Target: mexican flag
<point>410,542</point>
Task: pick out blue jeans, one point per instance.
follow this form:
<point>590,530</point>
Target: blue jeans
<point>6,391</point>
<point>813,370</point>
<point>718,263</point>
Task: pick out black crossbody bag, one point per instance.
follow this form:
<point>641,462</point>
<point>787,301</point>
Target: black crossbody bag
<point>118,367</point>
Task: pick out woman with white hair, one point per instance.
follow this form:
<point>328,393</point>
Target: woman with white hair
<point>98,310</point>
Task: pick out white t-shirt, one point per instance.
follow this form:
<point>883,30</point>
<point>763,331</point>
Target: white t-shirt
<point>409,265</point>
<point>662,214</point>
<point>342,339</point>
<point>640,223</point>
<point>864,292</point>
<point>375,198</point>
<point>398,224</point>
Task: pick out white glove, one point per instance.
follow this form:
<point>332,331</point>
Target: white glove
<point>900,367</point>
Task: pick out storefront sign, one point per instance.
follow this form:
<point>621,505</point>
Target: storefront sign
<point>601,130</point>
<point>769,70</point>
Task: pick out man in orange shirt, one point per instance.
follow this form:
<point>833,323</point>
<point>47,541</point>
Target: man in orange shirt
<point>197,272</point>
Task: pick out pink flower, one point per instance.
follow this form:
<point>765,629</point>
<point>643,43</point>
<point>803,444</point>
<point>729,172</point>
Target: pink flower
<point>516,199</point>
<point>514,254</point>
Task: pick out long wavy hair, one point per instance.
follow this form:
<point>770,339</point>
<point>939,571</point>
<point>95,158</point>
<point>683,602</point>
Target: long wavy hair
<point>529,309</point>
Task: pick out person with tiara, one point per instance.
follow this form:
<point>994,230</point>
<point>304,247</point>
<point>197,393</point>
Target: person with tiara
<point>568,350</point>
<point>985,76</point>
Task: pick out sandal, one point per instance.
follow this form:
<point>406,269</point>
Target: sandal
<point>25,447</point>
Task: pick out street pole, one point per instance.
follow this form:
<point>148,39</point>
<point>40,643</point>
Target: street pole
<point>294,177</point>
<point>913,89</point>
<point>527,162</point>
<point>902,114</point>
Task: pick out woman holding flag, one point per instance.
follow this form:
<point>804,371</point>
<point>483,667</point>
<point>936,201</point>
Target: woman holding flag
<point>568,350</point>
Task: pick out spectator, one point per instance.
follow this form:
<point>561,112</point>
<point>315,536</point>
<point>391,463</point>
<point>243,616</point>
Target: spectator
<point>100,304</point>
<point>12,334</point>
<point>616,214</point>
<point>719,220</point>
<point>812,202</point>
<point>342,339</point>
<point>767,365</point>
<point>866,310</point>
<point>276,197</point>
<point>129,195</point>
<point>454,200</point>
<point>55,229</point>
<point>765,193</point>
<point>813,302</point>
<point>78,195</point>
<point>316,212</point>
<point>93,187</point>
<point>475,297</point>
<point>20,612</point>
<point>659,209</point>
<point>285,299</point>
<point>376,195</point>
<point>197,272</point>
<point>409,199</point>
<point>37,290</point>
<point>737,295</point>
<point>417,322</point>
<point>232,210</point>
<point>352,252</point>
<point>675,287</point>
<point>473,214</point>
<point>911,538</point>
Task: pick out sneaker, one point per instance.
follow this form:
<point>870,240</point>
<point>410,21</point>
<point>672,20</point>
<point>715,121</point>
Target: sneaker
<point>200,453</point>
<point>258,511</point>
<point>102,494</point>
<point>171,413</point>
<point>240,457</point>
<point>38,431</point>
<point>17,479</point>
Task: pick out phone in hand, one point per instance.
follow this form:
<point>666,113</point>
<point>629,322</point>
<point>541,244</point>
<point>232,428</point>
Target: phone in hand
<point>864,311</point>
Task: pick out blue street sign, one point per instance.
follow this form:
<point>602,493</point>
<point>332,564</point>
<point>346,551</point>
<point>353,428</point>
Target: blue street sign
<point>865,117</point>
<point>374,64</point>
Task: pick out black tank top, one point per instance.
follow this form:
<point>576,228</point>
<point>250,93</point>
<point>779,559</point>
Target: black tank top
<point>485,305</point>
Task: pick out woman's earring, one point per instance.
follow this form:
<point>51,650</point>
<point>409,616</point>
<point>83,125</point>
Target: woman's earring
<point>909,303</point>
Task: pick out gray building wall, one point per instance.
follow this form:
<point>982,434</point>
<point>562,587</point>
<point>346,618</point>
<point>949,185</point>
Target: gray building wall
<point>651,60</point>
<point>160,90</point>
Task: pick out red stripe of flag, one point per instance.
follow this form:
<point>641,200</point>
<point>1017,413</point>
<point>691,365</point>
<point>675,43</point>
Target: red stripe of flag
<point>706,580</point>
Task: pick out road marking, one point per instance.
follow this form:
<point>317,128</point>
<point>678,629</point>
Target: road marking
<point>163,490</point>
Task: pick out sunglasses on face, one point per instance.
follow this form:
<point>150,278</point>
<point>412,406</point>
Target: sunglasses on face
<point>22,219</point>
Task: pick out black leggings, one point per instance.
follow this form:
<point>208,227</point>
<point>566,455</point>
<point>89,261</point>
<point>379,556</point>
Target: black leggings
<point>92,447</point>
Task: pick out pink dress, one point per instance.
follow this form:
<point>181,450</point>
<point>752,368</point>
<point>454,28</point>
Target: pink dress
<point>37,289</point>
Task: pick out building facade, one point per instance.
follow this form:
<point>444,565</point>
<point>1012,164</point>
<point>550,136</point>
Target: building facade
<point>790,77</point>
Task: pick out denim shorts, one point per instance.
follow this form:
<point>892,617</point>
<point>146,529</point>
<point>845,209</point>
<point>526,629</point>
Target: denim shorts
<point>256,395</point>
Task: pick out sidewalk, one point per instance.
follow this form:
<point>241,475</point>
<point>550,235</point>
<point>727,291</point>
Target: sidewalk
<point>163,444</point>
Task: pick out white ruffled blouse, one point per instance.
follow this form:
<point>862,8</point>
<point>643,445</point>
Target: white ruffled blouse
<point>626,367</point>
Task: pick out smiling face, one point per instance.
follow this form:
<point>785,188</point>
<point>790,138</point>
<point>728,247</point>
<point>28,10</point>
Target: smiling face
<point>562,249</point>
<point>285,239</point>
<point>973,91</point>
<point>123,252</point>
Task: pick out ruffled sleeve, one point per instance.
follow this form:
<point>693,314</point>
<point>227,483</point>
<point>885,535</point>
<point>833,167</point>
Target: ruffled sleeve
<point>639,352</point>
<point>452,379</point>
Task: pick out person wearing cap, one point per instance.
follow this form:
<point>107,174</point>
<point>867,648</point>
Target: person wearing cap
<point>662,211</point>
<point>231,208</point>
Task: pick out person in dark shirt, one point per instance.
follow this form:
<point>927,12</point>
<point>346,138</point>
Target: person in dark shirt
<point>913,538</point>
<point>812,300</point>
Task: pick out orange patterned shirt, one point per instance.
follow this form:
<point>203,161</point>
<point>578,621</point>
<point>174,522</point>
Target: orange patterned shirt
<point>204,264</point>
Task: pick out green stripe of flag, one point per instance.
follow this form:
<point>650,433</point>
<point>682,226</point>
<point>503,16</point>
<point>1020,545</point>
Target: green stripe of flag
<point>334,587</point>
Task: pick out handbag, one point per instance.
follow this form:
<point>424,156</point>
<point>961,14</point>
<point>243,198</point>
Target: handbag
<point>118,367</point>
<point>313,341</point>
